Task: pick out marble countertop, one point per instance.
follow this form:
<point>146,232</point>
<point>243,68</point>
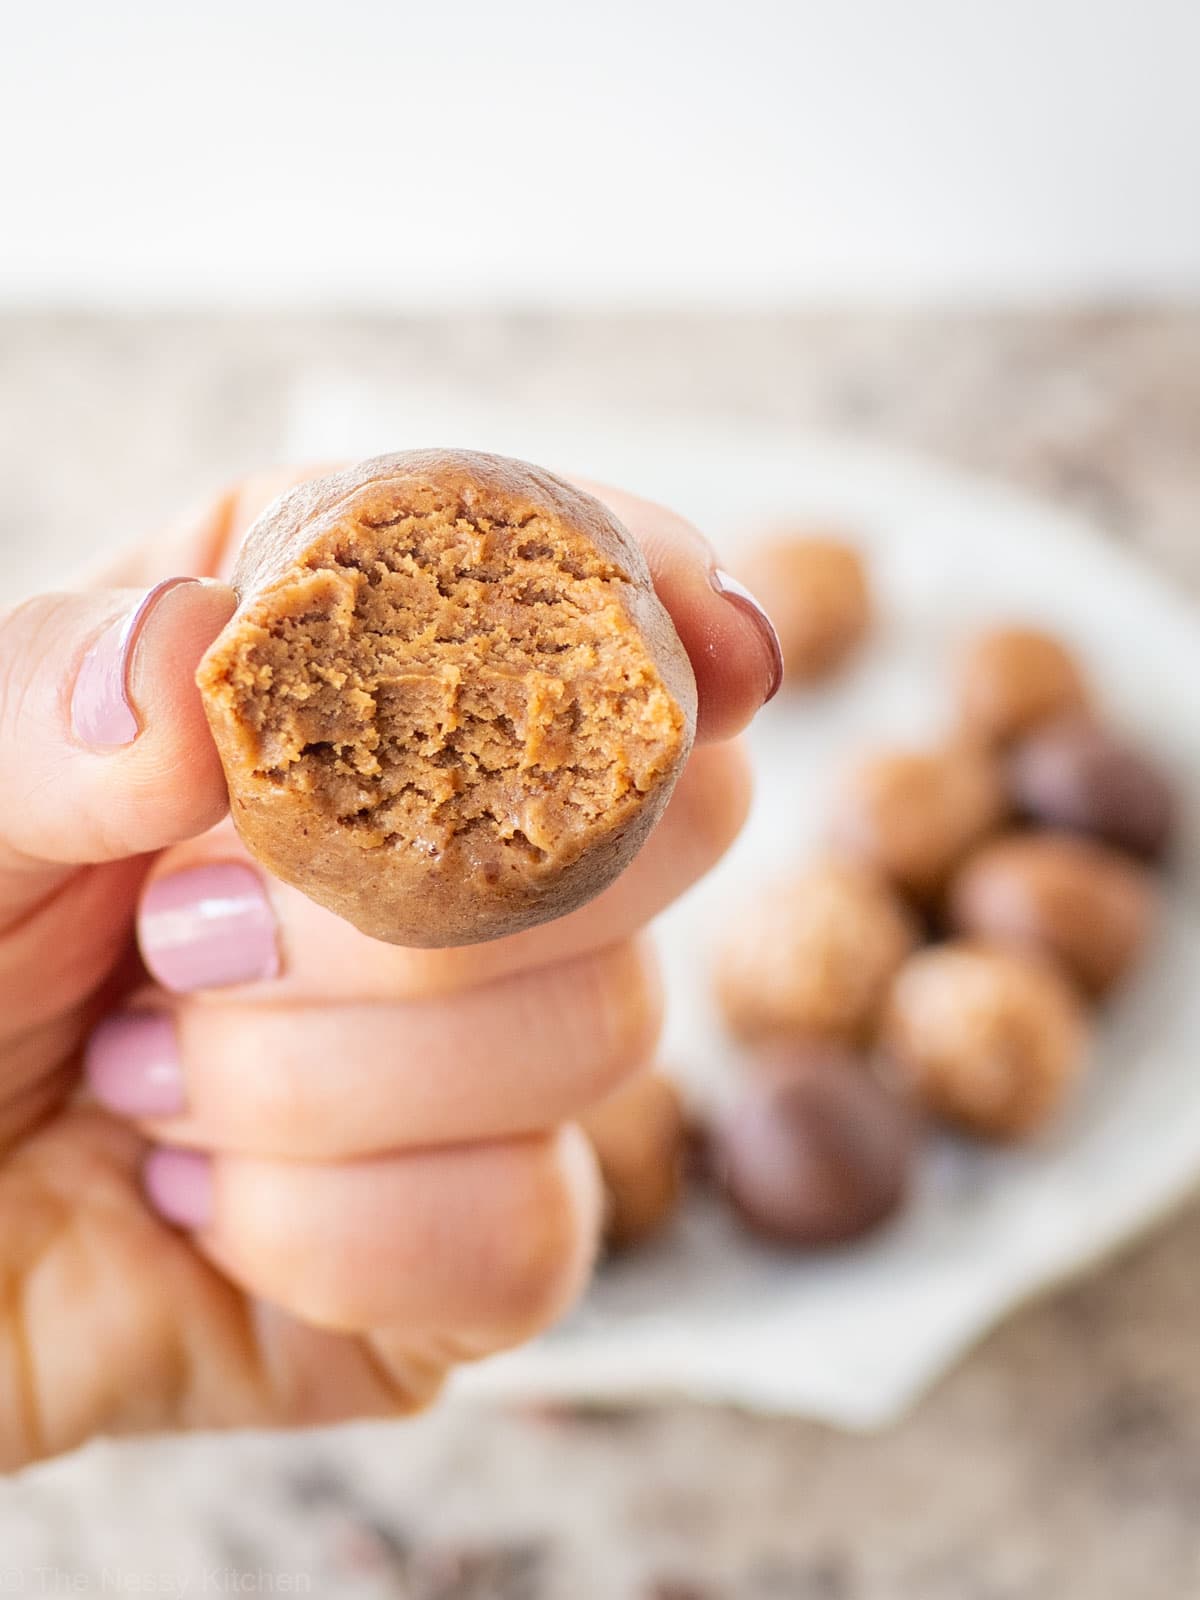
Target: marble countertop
<point>1060,1460</point>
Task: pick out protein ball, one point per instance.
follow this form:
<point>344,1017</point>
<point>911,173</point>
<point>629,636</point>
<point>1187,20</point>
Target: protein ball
<point>1012,680</point>
<point>913,815</point>
<point>640,1138</point>
<point>1076,775</point>
<point>816,1155</point>
<point>1071,899</point>
<point>449,705</point>
<point>811,956</point>
<point>987,1038</point>
<point>819,597</point>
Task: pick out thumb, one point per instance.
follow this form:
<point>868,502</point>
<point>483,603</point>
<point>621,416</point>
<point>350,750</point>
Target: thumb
<point>106,751</point>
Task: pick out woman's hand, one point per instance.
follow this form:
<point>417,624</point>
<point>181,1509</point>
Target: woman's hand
<point>307,1173</point>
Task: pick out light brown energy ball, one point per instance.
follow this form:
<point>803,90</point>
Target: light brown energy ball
<point>450,704</point>
<point>1013,679</point>
<point>639,1135</point>
<point>818,593</point>
<point>1071,899</point>
<point>913,814</point>
<point>986,1038</point>
<point>811,957</point>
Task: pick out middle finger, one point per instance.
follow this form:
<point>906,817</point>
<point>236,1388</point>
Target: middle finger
<point>332,1082</point>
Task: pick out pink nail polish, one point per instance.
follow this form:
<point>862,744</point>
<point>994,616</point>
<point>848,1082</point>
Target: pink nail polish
<point>209,926</point>
<point>102,713</point>
<point>132,1065</point>
<point>178,1184</point>
<point>737,594</point>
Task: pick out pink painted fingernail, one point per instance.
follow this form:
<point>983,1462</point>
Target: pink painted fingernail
<point>132,1065</point>
<point>728,587</point>
<point>102,712</point>
<point>209,926</point>
<point>178,1184</point>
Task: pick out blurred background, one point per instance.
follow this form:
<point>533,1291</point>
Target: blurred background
<point>660,155</point>
<point>248,231</point>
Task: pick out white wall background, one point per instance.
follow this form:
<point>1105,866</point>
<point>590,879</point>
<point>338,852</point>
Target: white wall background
<point>650,152</point>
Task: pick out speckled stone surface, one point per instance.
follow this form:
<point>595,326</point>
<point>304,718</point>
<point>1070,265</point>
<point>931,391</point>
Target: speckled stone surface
<point>1061,1461</point>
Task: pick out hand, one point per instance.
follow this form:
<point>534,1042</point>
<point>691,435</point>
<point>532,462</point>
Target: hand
<point>270,1171</point>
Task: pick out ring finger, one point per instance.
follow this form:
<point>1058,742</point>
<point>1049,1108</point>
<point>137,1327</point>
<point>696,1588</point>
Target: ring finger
<point>470,1248</point>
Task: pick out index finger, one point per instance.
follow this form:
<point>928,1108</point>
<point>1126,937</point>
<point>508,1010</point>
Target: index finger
<point>730,639</point>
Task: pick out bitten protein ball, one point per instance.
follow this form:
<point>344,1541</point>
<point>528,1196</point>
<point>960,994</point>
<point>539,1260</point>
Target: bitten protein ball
<point>810,957</point>
<point>913,814</point>
<point>986,1038</point>
<point>820,600</point>
<point>816,1155</point>
<point>449,705</point>
<point>1070,899</point>
<point>639,1135</point>
<point>1012,680</point>
<point>1077,775</point>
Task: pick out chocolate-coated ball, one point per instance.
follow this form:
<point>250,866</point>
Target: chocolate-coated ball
<point>1075,774</point>
<point>816,1155</point>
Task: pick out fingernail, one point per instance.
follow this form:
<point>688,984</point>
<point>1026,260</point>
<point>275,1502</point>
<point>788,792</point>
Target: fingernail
<point>737,594</point>
<point>178,1184</point>
<point>207,927</point>
<point>102,713</point>
<point>132,1065</point>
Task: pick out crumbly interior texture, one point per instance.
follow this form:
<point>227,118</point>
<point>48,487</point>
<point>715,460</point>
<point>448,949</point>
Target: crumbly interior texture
<point>425,678</point>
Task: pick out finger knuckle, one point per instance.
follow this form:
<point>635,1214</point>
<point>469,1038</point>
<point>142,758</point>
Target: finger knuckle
<point>546,1249</point>
<point>626,1014</point>
<point>26,633</point>
<point>285,1108</point>
<point>722,798</point>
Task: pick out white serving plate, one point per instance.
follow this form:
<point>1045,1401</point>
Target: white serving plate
<point>853,1337</point>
